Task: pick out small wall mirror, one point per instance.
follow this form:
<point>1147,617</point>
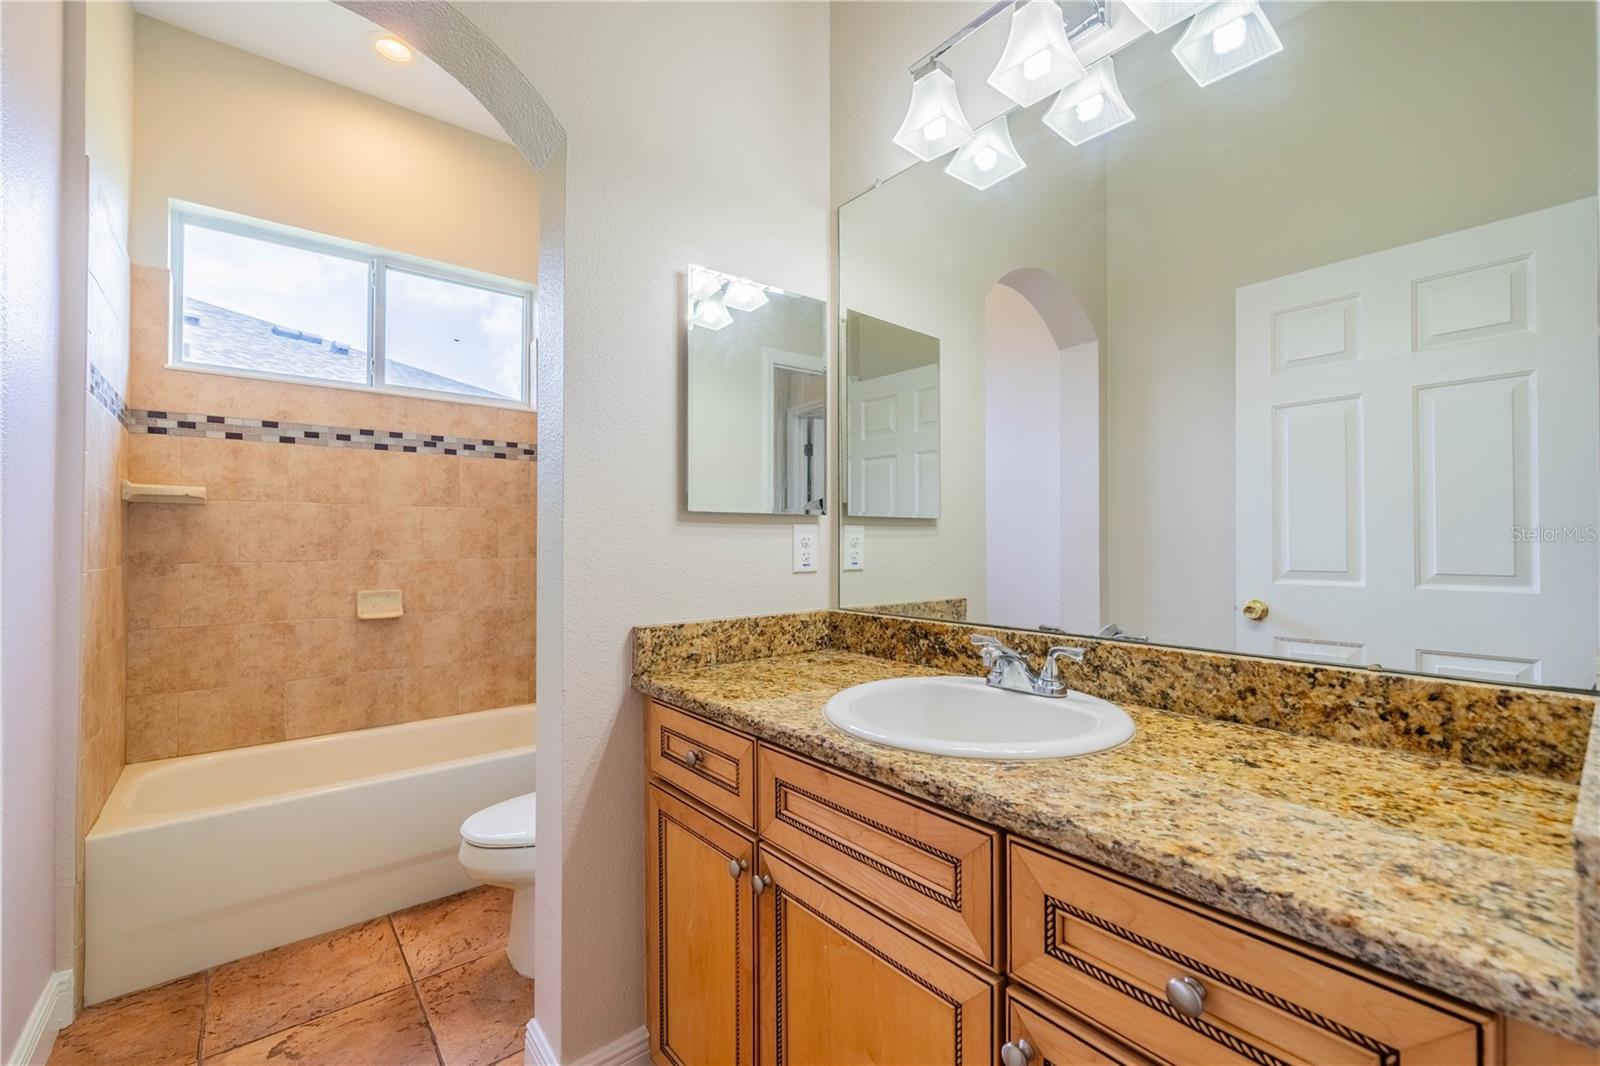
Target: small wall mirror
<point>757,397</point>
<point>892,395</point>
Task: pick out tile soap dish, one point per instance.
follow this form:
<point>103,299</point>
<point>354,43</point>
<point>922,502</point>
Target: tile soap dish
<point>133,492</point>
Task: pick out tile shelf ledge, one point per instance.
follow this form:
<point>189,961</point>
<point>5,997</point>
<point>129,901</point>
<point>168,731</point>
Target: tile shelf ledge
<point>134,492</point>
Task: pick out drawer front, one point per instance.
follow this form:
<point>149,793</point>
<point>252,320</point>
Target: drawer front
<point>1061,1038</point>
<point>714,765</point>
<point>932,870</point>
<point>1109,946</point>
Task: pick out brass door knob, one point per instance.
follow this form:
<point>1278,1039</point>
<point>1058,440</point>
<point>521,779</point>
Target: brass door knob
<point>1255,610</point>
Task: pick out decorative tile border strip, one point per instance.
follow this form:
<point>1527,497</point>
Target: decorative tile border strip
<point>103,391</point>
<point>273,431</point>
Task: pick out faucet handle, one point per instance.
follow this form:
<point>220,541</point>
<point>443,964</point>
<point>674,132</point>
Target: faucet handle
<point>1059,651</point>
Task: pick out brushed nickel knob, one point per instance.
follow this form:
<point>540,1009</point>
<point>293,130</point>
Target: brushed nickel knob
<point>1187,996</point>
<point>1017,1053</point>
<point>1255,610</point>
<point>693,757</point>
<point>737,867</point>
<point>760,883</point>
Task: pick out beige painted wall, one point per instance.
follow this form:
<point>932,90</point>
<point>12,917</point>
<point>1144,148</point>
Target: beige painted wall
<point>223,128</point>
<point>1211,189</point>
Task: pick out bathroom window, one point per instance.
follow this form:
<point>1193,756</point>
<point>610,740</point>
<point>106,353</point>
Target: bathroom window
<point>260,300</point>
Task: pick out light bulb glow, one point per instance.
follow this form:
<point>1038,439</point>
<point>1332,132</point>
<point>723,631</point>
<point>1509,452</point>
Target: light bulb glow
<point>1090,109</point>
<point>744,295</point>
<point>934,123</point>
<point>1038,58</point>
<point>710,314</point>
<point>1037,65</point>
<point>985,159</point>
<point>1229,37</point>
<point>990,157</point>
<point>935,130</point>
<point>393,49</point>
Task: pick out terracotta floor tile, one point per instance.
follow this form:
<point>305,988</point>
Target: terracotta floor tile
<point>298,982</point>
<point>389,1030</point>
<point>511,1060</point>
<point>479,1010</point>
<point>151,1028</point>
<point>444,934</point>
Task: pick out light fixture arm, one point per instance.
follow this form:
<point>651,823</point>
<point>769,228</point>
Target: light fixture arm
<point>1094,19</point>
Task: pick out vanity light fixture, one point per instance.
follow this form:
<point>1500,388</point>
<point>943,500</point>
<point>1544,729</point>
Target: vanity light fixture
<point>1090,106</point>
<point>710,314</point>
<point>1038,58</point>
<point>703,283</point>
<point>744,295</point>
<point>1224,39</point>
<point>934,122</point>
<point>988,158</point>
<point>1162,15</point>
<point>392,48</point>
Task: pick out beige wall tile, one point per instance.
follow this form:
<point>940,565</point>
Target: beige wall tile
<point>313,706</point>
<point>270,652</point>
<point>292,532</point>
<point>154,596</point>
<point>102,609</point>
<point>328,589</point>
<point>432,691</point>
<point>231,717</point>
<point>520,585</point>
<point>155,459</point>
<point>386,531</point>
<point>496,682</point>
<point>431,480</point>
<point>233,593</point>
<point>181,533</point>
<point>516,532</point>
<point>178,660</point>
<point>152,728</point>
<point>331,475</point>
<point>236,470</point>
<point>496,483</point>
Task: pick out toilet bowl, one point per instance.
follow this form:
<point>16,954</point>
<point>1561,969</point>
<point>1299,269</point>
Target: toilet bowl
<point>497,846</point>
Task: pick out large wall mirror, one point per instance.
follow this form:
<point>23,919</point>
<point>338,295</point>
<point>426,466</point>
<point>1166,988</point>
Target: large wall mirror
<point>757,407</point>
<point>1301,363</point>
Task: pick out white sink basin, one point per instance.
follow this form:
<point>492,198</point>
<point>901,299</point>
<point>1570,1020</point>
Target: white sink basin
<point>966,718</point>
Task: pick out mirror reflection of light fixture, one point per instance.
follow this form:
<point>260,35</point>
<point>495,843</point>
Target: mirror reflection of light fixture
<point>1224,39</point>
<point>1090,106</point>
<point>1160,15</point>
<point>710,314</point>
<point>1038,58</point>
<point>934,122</point>
<point>744,295</point>
<point>988,158</point>
<point>703,283</point>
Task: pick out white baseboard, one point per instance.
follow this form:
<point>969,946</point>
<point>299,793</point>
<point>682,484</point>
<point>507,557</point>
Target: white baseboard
<point>51,1013</point>
<point>630,1049</point>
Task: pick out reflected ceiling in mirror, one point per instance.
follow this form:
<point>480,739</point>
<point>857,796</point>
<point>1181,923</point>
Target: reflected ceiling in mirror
<point>1300,363</point>
<point>757,397</point>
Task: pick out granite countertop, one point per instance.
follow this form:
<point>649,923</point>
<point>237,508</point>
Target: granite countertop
<point>1460,879</point>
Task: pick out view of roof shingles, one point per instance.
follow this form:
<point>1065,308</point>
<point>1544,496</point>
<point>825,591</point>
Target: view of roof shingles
<point>217,336</point>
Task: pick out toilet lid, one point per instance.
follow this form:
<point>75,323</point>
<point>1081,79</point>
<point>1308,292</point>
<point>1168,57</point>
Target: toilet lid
<point>508,824</point>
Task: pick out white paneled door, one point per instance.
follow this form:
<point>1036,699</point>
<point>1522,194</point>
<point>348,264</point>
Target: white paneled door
<point>1418,455</point>
<point>893,470</point>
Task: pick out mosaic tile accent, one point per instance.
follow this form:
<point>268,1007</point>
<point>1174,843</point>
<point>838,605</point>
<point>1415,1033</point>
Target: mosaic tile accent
<point>106,393</point>
<point>273,431</point>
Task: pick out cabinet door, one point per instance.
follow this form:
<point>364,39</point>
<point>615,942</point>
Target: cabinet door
<point>840,985</point>
<point>1039,1033</point>
<point>700,936</point>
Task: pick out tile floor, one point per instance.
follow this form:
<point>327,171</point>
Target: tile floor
<point>429,986</point>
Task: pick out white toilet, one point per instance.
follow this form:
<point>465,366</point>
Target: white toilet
<point>497,849</point>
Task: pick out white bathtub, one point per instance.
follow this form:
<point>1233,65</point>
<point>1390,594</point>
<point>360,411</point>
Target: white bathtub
<point>203,859</point>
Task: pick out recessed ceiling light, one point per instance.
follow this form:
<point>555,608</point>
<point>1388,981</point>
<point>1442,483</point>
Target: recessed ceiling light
<point>393,49</point>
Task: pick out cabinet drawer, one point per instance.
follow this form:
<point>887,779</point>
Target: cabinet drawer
<point>1060,1037</point>
<point>932,870</point>
<point>714,765</point>
<point>1109,946</point>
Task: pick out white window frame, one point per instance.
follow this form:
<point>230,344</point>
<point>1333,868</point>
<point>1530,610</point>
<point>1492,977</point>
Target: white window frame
<point>379,261</point>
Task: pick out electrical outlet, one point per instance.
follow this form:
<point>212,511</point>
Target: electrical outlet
<point>853,547</point>
<point>805,548</point>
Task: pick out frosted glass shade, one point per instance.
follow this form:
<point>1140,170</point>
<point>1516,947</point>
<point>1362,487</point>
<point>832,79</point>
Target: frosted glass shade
<point>1090,106</point>
<point>744,295</point>
<point>988,158</point>
<point>1038,59</point>
<point>710,314</point>
<point>1224,39</point>
<point>934,123</point>
<point>1160,15</point>
<point>703,283</point>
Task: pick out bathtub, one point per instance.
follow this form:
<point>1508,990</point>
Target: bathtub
<point>203,859</point>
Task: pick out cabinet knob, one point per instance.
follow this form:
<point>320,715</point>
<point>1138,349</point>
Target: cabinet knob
<point>1187,996</point>
<point>760,883</point>
<point>1017,1053</point>
<point>737,867</point>
<point>693,757</point>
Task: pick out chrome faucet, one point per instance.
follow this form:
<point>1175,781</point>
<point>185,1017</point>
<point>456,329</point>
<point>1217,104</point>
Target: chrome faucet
<point>1009,669</point>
